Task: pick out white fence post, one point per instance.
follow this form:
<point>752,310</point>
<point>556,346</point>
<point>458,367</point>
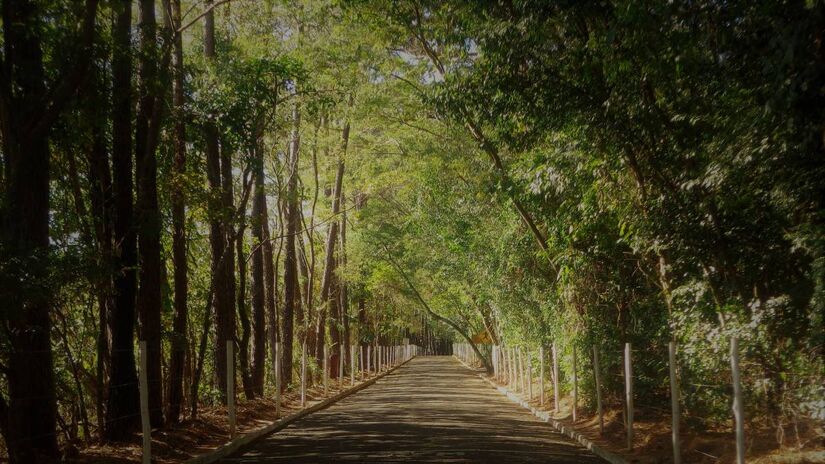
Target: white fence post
<point>513,380</point>
<point>529,376</point>
<point>303,374</point>
<point>341,354</point>
<point>674,403</point>
<point>230,385</point>
<point>598,378</point>
<point>575,386</point>
<point>505,366</point>
<point>352,365</point>
<point>326,369</point>
<point>738,407</point>
<point>541,374</point>
<point>628,383</point>
<point>555,378</point>
<point>277,379</point>
<point>146,426</point>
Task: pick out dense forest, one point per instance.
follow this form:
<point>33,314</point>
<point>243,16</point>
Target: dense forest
<point>336,172</point>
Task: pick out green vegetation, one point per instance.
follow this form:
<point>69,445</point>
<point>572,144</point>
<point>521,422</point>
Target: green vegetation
<point>578,173</point>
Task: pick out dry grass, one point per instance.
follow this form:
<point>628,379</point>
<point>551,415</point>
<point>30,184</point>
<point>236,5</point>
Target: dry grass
<point>193,437</point>
<point>652,437</point>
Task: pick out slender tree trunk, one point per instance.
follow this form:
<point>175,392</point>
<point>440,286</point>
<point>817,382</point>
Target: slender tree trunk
<point>271,271</point>
<point>222,300</point>
<point>343,294</point>
<point>122,411</point>
<point>178,340</point>
<point>275,317</point>
<point>226,320</point>
<point>328,299</point>
<point>291,289</point>
<point>243,312</point>
<point>303,318</point>
<point>362,318</point>
<point>100,198</point>
<point>147,212</point>
<point>259,297</point>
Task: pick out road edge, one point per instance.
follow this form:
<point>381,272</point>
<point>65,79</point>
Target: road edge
<point>237,444</point>
<point>565,430</point>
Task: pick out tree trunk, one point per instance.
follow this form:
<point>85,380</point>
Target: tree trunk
<point>122,411</point>
<point>32,409</point>
<point>327,296</point>
<point>258,223</point>
<point>271,271</point>
<point>177,360</point>
<point>243,312</point>
<point>100,198</point>
<point>343,293</point>
<point>291,289</point>
<point>222,300</point>
<point>147,212</point>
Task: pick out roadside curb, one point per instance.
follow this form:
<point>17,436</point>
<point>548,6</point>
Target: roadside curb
<point>566,430</point>
<point>235,445</point>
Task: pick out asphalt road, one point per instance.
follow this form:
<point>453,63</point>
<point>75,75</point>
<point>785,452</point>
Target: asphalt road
<point>430,410</point>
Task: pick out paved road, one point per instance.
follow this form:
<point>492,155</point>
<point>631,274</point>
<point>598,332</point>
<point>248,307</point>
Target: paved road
<point>430,410</point>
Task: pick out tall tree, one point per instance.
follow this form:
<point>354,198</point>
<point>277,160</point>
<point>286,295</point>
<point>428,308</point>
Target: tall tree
<point>292,294</point>
<point>147,211</point>
<point>122,411</point>
<point>181,280</point>
<point>329,297</point>
<point>222,251</point>
<point>29,105</point>
<point>243,311</point>
<point>259,277</point>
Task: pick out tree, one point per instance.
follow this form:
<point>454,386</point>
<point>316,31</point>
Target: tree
<point>260,233</point>
<point>147,126</point>
<point>179,340</point>
<point>292,292</point>
<point>122,407</point>
<point>29,105</point>
<point>223,260</point>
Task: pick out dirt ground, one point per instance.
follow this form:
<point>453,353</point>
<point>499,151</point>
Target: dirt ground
<point>652,437</point>
<point>194,437</point>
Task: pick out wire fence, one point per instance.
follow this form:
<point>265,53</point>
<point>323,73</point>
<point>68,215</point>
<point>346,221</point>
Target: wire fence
<point>520,368</point>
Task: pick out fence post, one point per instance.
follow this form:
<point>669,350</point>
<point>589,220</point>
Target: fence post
<point>352,365</point>
<point>277,379</point>
<point>628,384</point>
<point>146,427</point>
<point>230,385</point>
<point>341,354</point>
<point>513,369</point>
<point>303,374</point>
<point>575,385</point>
<point>738,408</point>
<point>555,378</point>
<point>674,403</point>
<point>598,378</point>
<point>361,361</point>
<point>496,369</point>
<point>505,374</point>
<point>529,376</point>
<point>326,370</point>
<point>541,375</point>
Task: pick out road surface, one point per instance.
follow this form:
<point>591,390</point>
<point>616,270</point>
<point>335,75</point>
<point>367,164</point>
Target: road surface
<point>430,410</point>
